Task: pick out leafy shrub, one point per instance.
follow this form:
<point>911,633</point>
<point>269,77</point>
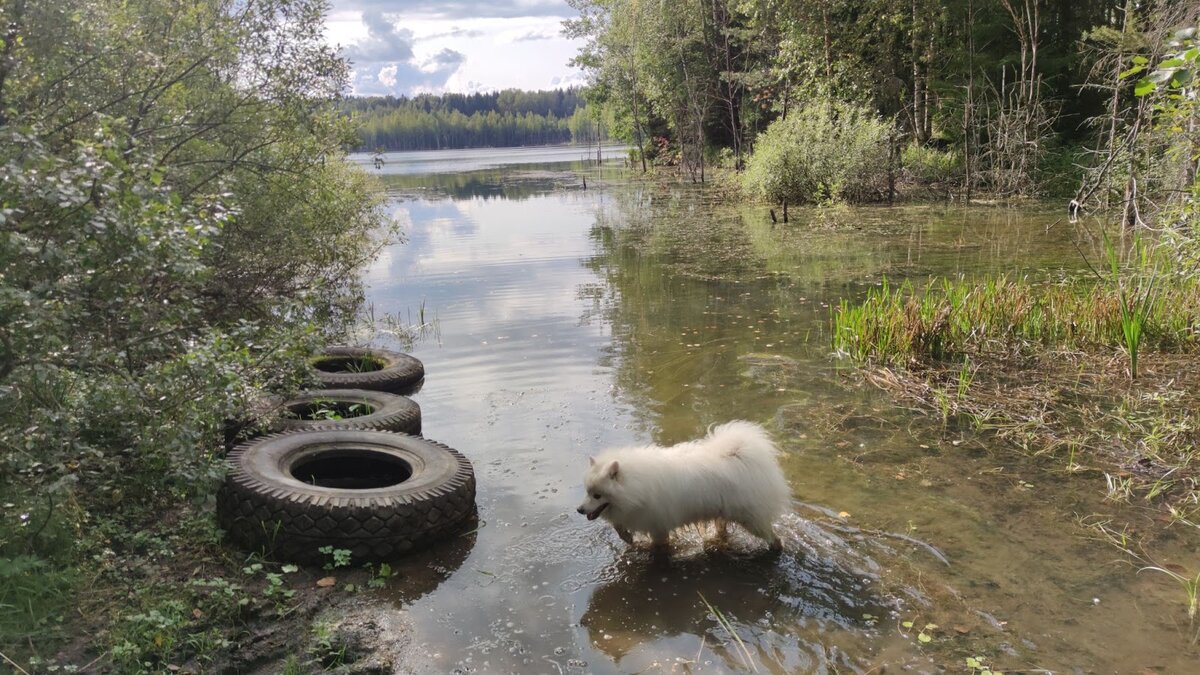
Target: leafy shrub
<point>824,150</point>
<point>178,231</point>
<point>930,165</point>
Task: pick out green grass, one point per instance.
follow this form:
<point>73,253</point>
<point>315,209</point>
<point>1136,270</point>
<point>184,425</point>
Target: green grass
<point>953,317</point>
<point>1136,296</point>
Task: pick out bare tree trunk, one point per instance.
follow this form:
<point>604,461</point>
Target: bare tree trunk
<point>918,92</point>
<point>732,95</point>
<point>969,108</point>
<point>637,120</point>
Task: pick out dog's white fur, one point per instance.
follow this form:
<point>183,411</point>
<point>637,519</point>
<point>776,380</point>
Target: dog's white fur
<point>730,475</point>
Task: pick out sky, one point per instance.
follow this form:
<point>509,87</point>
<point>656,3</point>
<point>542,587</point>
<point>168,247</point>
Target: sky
<point>405,47</point>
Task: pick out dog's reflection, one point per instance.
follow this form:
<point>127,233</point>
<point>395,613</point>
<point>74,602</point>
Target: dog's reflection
<point>765,597</point>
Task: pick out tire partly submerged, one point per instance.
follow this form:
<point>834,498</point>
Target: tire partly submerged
<point>350,409</point>
<point>377,494</point>
<point>368,368</point>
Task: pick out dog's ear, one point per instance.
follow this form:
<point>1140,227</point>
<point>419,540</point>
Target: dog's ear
<point>591,461</point>
<point>612,470</point>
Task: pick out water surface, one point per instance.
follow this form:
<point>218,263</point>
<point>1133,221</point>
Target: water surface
<point>572,319</point>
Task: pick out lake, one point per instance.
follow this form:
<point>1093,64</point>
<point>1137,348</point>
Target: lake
<point>566,319</point>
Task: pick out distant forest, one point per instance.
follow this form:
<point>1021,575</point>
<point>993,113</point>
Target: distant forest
<point>447,121</point>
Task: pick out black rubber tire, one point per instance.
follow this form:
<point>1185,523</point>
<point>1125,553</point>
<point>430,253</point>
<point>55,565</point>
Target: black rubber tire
<point>399,373</point>
<point>263,508</point>
<point>390,412</point>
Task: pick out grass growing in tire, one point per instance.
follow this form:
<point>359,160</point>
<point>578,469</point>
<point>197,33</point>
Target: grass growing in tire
<point>328,410</point>
<point>347,364</point>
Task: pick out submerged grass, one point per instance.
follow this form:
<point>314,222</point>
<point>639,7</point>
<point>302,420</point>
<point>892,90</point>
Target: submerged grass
<point>744,651</point>
<point>1187,579</point>
<point>1041,365</point>
<point>953,317</point>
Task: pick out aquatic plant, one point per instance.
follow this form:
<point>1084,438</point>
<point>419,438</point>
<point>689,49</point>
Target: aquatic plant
<point>728,627</point>
<point>1135,294</point>
<point>1189,581</point>
<point>951,317</point>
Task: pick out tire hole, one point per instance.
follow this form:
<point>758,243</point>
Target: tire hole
<point>352,469</point>
<point>322,410</point>
<point>347,364</point>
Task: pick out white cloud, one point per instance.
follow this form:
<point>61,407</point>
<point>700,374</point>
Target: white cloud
<point>385,62</point>
<point>480,53</point>
<point>387,76</point>
<point>460,9</point>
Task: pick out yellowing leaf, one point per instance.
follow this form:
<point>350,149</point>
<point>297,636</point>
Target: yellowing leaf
<point>326,582</point>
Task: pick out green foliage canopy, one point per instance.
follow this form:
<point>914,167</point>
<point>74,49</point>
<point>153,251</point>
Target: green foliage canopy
<point>177,230</point>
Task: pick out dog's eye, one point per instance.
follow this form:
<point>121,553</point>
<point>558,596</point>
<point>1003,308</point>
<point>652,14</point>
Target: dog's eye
<point>595,495</point>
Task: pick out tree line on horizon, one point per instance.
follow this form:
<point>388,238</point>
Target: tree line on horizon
<point>506,118</point>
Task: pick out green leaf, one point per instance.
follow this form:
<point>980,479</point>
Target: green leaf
<point>1171,63</point>
<point>1143,87</point>
<point>288,569</point>
<point>924,637</point>
<point>1132,71</point>
<point>907,624</point>
<point>972,662</point>
<point>1140,60</point>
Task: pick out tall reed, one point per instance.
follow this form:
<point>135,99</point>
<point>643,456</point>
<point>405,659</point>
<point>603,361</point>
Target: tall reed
<point>1135,294</point>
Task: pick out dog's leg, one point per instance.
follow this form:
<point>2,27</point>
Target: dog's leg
<point>625,535</point>
<point>766,533</point>
<point>661,541</point>
<point>722,526</point>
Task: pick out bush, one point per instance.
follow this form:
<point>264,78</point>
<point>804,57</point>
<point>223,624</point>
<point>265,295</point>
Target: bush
<point>930,165</point>
<point>824,150</point>
<point>178,230</point>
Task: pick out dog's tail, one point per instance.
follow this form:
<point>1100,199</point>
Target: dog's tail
<point>751,447</point>
<point>740,438</point>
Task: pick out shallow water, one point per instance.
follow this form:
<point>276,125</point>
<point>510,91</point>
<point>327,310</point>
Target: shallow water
<point>572,319</point>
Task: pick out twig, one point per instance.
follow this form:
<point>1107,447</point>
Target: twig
<point>729,629</point>
<point>14,664</point>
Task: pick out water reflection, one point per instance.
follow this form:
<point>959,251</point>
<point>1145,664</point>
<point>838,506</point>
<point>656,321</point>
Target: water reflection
<point>571,320</point>
<point>806,609</point>
<point>423,572</point>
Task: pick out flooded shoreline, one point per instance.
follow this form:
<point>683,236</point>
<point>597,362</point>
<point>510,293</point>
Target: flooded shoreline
<point>570,320</point>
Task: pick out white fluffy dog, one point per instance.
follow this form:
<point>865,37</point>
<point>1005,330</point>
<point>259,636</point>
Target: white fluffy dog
<point>730,475</point>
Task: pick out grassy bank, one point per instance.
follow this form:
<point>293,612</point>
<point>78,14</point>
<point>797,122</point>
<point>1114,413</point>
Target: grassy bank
<point>1050,368</point>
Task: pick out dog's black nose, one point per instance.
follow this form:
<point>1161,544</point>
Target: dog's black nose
<point>581,510</point>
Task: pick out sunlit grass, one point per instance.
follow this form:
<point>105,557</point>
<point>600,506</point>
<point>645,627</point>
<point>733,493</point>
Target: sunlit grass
<point>951,317</point>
